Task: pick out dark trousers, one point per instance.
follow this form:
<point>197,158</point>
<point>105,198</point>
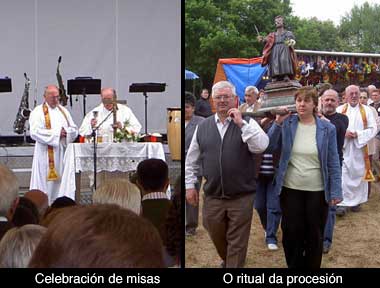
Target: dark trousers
<point>304,215</point>
<point>267,204</point>
<point>228,223</point>
<point>192,212</point>
<point>329,227</point>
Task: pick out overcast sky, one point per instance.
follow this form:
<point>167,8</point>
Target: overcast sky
<point>326,9</point>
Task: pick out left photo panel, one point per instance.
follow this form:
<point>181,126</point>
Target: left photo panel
<point>90,134</point>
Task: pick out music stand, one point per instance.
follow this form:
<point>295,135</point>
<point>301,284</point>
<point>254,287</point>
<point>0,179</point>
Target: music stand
<point>84,86</point>
<point>5,84</point>
<point>144,88</point>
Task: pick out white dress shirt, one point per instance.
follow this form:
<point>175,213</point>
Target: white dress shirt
<point>123,114</point>
<point>252,134</point>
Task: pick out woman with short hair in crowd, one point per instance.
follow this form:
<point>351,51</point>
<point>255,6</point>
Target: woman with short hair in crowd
<point>308,178</point>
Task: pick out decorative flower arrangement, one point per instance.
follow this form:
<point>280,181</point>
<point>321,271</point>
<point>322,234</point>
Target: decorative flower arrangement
<point>332,65</point>
<point>290,42</point>
<point>334,71</point>
<point>126,134</point>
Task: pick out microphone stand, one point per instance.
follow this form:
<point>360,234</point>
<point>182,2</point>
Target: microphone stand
<point>146,113</point>
<point>24,135</point>
<point>93,135</point>
<point>84,102</point>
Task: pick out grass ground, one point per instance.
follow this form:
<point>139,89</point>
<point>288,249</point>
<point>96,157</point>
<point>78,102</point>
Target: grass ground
<point>356,242</point>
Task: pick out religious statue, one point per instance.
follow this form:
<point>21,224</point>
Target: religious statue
<point>279,53</point>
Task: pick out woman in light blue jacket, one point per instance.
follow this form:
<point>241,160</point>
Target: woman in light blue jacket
<point>308,178</point>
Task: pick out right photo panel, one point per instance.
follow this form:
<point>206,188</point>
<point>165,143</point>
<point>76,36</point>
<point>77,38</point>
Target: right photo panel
<point>282,141</point>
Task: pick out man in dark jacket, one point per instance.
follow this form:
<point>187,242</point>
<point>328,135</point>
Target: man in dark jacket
<point>202,106</point>
<point>153,181</point>
<point>330,101</point>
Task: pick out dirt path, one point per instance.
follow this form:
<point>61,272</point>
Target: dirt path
<point>356,242</point>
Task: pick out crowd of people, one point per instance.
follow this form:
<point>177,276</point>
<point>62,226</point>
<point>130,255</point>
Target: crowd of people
<point>297,169</point>
<point>128,225</point>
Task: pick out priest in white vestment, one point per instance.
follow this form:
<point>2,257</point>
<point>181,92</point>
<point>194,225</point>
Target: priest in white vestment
<point>103,112</point>
<point>53,128</point>
<point>356,171</point>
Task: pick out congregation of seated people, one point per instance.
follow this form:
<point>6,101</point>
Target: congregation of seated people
<point>127,225</point>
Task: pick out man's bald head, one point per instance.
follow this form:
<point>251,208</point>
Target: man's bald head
<point>107,95</point>
<point>39,198</point>
<point>352,93</point>
<point>330,101</point>
<point>331,92</point>
<point>51,95</point>
<point>370,88</point>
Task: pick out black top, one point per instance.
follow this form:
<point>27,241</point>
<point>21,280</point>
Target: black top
<point>156,211</point>
<point>340,122</point>
<point>376,106</point>
<point>203,108</point>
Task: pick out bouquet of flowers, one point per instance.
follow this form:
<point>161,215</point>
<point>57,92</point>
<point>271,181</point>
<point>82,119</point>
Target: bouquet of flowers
<point>290,42</point>
<point>126,134</point>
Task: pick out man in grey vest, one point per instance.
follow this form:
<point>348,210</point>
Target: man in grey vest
<point>191,122</point>
<point>224,145</point>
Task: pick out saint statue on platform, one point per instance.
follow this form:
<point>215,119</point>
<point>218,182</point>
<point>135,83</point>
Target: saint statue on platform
<point>279,53</point>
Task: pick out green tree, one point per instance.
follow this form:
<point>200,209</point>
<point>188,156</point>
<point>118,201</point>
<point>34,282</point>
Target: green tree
<point>217,29</point>
<point>360,28</point>
<point>313,34</point>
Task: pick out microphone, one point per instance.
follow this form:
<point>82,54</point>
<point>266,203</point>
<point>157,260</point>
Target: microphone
<point>107,101</point>
<point>95,113</point>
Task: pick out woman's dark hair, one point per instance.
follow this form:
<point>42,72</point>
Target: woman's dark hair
<point>63,201</point>
<point>152,174</point>
<point>189,99</point>
<point>26,213</point>
<point>308,92</point>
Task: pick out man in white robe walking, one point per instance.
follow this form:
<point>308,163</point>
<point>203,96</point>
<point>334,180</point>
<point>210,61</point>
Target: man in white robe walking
<point>356,170</point>
<point>104,112</point>
<point>53,128</point>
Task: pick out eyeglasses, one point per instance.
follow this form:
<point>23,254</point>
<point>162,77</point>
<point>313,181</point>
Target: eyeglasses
<point>223,97</point>
<point>363,97</point>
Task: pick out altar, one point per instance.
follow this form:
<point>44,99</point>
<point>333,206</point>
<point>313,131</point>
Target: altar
<point>111,157</point>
